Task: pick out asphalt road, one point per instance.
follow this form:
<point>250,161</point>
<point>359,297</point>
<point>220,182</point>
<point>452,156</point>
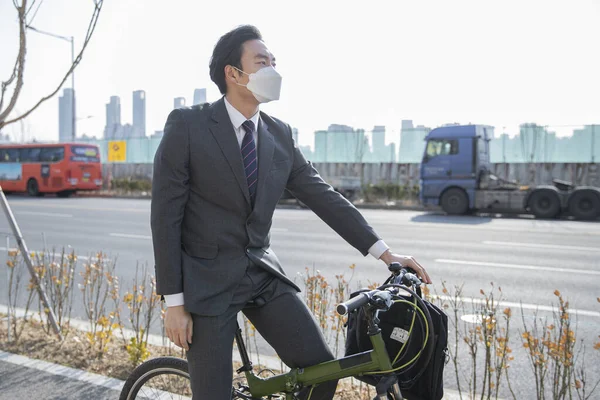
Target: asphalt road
<point>528,258</point>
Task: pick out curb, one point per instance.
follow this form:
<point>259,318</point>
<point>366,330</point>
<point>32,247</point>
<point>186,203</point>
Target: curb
<point>116,384</point>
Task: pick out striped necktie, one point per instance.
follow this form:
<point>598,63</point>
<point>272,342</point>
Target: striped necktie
<point>249,158</point>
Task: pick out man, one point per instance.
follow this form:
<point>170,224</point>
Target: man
<point>219,172</point>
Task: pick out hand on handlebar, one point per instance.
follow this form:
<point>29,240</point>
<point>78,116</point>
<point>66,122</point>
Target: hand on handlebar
<point>381,299</point>
<point>406,261</point>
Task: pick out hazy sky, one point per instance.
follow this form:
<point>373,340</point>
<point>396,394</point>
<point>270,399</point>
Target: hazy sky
<point>360,63</point>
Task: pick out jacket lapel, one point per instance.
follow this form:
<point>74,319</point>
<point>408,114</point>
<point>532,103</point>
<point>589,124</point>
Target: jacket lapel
<point>224,134</point>
<point>266,147</point>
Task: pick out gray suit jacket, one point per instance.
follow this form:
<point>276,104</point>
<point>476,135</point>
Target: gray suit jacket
<point>204,227</point>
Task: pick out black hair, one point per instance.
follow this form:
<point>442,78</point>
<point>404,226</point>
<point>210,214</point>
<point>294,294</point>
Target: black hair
<point>228,51</point>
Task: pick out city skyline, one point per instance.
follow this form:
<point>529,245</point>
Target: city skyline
<point>498,64</point>
<point>344,143</point>
<point>382,138</point>
<point>534,143</point>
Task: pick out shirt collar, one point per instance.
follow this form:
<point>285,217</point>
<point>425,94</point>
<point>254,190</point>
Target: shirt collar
<point>237,118</point>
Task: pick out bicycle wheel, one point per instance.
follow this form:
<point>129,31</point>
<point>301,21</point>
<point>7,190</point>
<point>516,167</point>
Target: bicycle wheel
<point>159,378</point>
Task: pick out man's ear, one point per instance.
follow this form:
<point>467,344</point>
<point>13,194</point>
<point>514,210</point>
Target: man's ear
<point>232,74</point>
<point>229,74</point>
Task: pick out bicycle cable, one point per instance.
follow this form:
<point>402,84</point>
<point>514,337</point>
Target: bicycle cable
<point>420,351</point>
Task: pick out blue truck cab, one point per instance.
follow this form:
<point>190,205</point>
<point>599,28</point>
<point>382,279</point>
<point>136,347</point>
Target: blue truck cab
<point>456,174</point>
<point>452,162</point>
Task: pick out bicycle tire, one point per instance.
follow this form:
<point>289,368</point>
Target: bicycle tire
<point>150,369</point>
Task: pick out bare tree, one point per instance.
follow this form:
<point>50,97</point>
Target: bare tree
<point>16,79</point>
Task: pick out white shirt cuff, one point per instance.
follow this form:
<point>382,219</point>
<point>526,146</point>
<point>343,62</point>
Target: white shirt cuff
<point>174,300</point>
<point>378,249</point>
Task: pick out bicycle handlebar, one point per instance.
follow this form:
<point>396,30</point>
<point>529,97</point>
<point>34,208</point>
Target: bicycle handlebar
<point>402,276</point>
<point>354,303</point>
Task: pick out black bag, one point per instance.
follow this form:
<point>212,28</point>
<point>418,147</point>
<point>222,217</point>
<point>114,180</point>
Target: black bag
<point>419,380</point>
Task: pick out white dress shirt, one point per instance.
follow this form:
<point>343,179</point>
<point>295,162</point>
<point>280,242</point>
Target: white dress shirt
<point>237,119</point>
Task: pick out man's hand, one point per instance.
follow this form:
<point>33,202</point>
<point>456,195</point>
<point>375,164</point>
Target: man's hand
<point>406,261</point>
<point>178,324</point>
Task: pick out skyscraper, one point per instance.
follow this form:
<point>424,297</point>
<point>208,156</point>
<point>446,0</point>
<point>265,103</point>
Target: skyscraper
<point>179,102</point>
<point>345,144</point>
<point>380,152</point>
<point>199,96</point>
<point>66,118</point>
<point>295,135</point>
<point>407,124</point>
<point>412,142</point>
<point>139,113</point>
<point>113,117</point>
<point>320,154</point>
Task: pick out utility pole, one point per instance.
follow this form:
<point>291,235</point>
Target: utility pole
<point>73,124</point>
<point>26,256</point>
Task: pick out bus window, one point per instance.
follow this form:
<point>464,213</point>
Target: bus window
<point>12,155</point>
<point>52,154</point>
<point>30,154</point>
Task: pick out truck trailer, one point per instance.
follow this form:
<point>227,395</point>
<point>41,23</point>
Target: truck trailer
<point>455,174</point>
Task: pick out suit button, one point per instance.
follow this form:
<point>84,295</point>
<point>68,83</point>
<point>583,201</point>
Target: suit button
<point>248,251</point>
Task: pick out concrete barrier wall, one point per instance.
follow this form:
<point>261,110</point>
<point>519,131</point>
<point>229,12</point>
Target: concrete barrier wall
<point>374,173</point>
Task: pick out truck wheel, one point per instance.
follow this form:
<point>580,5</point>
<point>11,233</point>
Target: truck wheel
<point>455,201</point>
<point>584,204</point>
<point>544,204</point>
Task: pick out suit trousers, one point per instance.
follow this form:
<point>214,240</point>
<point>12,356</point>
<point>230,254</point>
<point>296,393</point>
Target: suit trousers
<point>280,316</point>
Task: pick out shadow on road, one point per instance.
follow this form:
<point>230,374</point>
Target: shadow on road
<point>451,219</point>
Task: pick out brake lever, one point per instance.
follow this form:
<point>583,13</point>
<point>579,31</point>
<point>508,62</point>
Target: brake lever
<point>382,300</point>
<point>414,279</point>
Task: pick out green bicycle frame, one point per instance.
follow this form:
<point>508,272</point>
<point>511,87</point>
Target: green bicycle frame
<point>368,361</point>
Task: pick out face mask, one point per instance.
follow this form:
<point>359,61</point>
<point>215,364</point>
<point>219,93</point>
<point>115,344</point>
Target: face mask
<point>265,84</point>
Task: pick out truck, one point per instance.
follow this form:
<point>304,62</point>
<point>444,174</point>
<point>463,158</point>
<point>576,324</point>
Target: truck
<point>455,173</point>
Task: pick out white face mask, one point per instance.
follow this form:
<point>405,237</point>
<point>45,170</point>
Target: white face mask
<point>265,84</point>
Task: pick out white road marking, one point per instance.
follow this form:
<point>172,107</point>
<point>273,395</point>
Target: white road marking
<point>525,306</point>
<point>517,266</point>
<point>542,246</point>
<point>131,236</point>
<point>45,214</point>
<point>472,318</point>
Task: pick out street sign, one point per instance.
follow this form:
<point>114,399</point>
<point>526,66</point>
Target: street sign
<point>117,151</point>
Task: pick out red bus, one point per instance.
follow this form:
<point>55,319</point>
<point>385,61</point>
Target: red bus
<point>61,168</point>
